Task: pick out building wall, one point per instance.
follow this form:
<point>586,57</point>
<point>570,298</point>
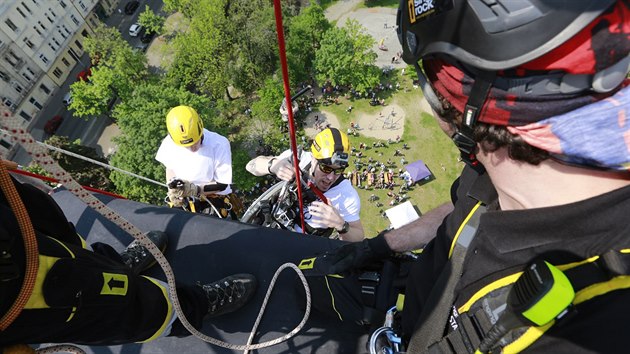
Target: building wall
<point>41,41</point>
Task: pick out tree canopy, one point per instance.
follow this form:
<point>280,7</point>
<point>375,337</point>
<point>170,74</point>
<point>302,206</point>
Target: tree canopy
<point>305,32</point>
<point>346,57</point>
<point>151,21</point>
<point>115,71</point>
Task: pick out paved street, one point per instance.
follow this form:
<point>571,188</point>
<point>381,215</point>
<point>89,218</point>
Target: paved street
<point>89,130</point>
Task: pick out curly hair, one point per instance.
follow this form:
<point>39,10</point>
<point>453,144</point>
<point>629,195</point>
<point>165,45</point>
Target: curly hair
<point>493,137</point>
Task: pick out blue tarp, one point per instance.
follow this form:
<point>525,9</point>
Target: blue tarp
<point>418,171</point>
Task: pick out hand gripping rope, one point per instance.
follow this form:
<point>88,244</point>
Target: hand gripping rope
<point>40,156</point>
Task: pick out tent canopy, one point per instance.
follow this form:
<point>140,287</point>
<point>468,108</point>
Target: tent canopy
<point>418,171</point>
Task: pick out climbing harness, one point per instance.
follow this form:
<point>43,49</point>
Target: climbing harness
<point>508,314</point>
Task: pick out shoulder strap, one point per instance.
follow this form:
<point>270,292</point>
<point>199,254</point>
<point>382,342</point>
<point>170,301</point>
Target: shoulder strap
<point>437,309</point>
<point>590,278</point>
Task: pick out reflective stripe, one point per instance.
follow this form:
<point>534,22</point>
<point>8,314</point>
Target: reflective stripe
<point>461,229</point>
<point>36,300</point>
<point>510,279</point>
<point>332,298</point>
<point>169,310</point>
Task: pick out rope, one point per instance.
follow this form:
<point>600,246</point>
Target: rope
<point>54,180</point>
<point>109,167</point>
<point>30,248</point>
<point>61,348</point>
<point>287,96</point>
<point>40,156</point>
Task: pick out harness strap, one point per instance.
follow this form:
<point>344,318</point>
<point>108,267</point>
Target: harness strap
<point>472,327</point>
<point>438,307</point>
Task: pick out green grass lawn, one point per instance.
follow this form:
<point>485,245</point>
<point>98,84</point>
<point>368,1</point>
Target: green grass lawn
<point>425,141</point>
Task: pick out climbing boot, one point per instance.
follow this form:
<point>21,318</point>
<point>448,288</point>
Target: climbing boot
<point>138,258</point>
<point>229,294</point>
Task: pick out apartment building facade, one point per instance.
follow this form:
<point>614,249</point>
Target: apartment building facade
<point>41,41</point>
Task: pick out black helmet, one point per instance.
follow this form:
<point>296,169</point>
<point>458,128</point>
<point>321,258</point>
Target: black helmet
<point>491,34</point>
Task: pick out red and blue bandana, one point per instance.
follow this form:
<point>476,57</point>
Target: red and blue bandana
<point>596,135</point>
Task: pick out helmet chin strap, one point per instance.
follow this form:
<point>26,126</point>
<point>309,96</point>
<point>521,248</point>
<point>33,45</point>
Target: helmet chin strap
<point>463,137</point>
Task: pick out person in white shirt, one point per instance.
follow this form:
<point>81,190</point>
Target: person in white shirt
<point>325,164</point>
<point>198,162</point>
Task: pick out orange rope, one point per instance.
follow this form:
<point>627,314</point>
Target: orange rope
<point>30,247</point>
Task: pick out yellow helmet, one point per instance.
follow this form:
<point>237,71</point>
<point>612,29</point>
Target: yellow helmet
<point>184,125</point>
<point>331,147</point>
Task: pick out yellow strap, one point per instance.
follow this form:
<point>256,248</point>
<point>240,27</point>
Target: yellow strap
<point>534,333</point>
<point>461,228</point>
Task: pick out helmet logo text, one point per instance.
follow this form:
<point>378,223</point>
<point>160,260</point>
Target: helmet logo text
<point>420,8</point>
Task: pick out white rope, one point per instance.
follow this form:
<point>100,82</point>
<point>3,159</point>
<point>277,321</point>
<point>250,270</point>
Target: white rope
<point>60,348</point>
<point>109,167</point>
<point>40,156</point>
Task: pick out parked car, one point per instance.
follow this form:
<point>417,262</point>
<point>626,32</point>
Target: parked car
<point>135,29</point>
<point>67,98</point>
<point>142,47</point>
<point>131,7</point>
<point>53,124</point>
<point>84,75</point>
<point>147,36</point>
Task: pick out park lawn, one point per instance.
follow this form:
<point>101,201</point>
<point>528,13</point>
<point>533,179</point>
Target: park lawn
<point>425,141</point>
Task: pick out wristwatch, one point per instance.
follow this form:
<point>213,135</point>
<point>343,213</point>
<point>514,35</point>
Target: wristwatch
<point>345,228</point>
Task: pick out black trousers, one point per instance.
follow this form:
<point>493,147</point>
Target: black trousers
<point>81,296</point>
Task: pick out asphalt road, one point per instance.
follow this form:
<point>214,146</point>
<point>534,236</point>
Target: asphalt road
<point>88,130</point>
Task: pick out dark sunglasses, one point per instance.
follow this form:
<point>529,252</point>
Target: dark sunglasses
<point>328,170</point>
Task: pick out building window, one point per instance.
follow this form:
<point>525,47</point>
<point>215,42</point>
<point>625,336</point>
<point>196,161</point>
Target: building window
<point>12,59</point>
<point>20,11</point>
<point>7,102</point>
<point>65,61</point>
<point>27,8</point>
<point>11,25</point>
<point>35,103</point>
<point>74,19</point>
<point>28,43</point>
<point>82,5</point>
<point>41,25</point>
<point>56,42</point>
<point>30,71</point>
<point>52,12</point>
<point>5,144</point>
<point>28,78</point>
<point>25,115</point>
<point>49,19</point>
<point>45,89</point>
<point>63,4</point>
<point>43,58</point>
<point>35,2</point>
<point>18,88</point>
<point>85,33</point>
<point>57,73</point>
<point>4,76</point>
<point>65,29</point>
<point>78,44</point>
<point>52,47</point>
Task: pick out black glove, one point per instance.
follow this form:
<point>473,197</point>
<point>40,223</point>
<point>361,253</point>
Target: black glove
<point>356,255</point>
